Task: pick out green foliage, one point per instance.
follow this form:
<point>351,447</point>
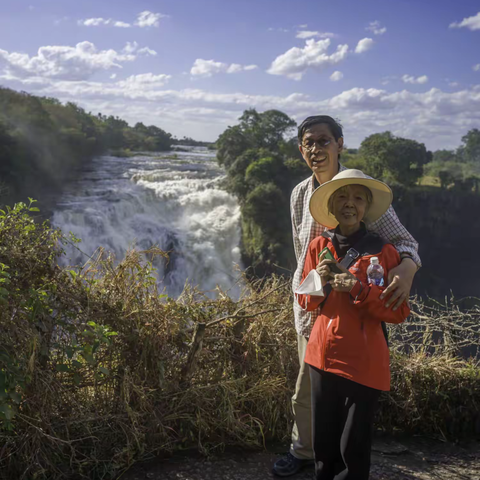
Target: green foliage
<point>188,141</point>
<point>461,169</point>
<point>394,159</point>
<point>43,141</point>
<point>263,166</point>
<point>470,150</point>
<point>96,367</point>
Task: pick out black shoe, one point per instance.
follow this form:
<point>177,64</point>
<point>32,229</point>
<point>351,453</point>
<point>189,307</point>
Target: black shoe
<point>290,465</point>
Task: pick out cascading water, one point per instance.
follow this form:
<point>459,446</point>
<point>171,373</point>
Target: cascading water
<point>173,200</point>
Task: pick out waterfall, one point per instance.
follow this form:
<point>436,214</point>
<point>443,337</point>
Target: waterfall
<point>173,200</point>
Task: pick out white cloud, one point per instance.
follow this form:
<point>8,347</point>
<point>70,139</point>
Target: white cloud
<point>363,45</point>
<point>94,22</point>
<point>68,63</point>
<point>375,28</point>
<point>336,76</point>
<point>411,79</point>
<point>472,23</point>
<point>144,19</point>
<point>435,117</point>
<point>132,47</point>
<point>476,68</point>
<point>303,34</point>
<point>99,22</point>
<point>149,19</point>
<point>207,68</point>
<point>283,30</point>
<point>113,76</point>
<point>144,81</point>
<point>303,26</point>
<point>296,61</point>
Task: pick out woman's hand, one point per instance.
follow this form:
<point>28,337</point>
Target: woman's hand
<point>340,282</point>
<point>323,269</point>
<point>343,282</point>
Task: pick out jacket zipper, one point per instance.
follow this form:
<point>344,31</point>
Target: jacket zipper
<point>325,344</point>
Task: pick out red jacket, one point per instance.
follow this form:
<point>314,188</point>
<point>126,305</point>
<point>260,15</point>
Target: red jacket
<point>347,338</point>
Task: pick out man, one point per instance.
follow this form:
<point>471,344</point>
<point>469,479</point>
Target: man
<point>320,140</point>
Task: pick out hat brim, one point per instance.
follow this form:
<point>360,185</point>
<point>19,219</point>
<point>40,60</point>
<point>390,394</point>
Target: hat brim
<point>382,197</point>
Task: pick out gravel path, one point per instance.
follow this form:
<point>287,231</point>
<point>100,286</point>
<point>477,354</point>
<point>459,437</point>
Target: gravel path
<point>391,459</point>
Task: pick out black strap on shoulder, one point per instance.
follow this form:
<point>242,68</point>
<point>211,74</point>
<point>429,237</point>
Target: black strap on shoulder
<point>351,257</point>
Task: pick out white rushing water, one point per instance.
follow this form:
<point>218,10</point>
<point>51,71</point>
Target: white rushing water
<point>172,200</point>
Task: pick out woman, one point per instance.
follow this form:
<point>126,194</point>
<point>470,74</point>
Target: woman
<point>347,351</point>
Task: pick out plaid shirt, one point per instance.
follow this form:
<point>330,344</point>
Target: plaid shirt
<point>305,229</point>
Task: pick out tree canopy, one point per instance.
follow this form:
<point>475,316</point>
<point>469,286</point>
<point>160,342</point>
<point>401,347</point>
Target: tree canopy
<point>394,159</point>
<point>263,165</point>
<point>42,140</point>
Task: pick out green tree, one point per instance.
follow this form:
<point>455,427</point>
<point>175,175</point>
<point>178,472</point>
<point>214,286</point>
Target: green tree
<point>444,156</point>
<point>269,130</point>
<point>230,145</point>
<point>394,159</point>
<point>42,140</point>
<point>263,164</point>
<point>469,151</point>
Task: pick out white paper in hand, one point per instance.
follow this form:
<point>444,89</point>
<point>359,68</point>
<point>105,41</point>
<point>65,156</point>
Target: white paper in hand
<point>312,285</point>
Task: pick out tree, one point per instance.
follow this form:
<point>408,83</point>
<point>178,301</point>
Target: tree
<point>41,140</point>
<point>444,156</point>
<point>470,150</point>
<point>266,130</point>
<point>263,165</point>
<point>394,159</point>
<point>265,170</point>
<point>230,145</point>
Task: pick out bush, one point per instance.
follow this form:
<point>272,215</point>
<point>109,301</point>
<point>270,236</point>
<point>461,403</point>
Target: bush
<point>98,370</point>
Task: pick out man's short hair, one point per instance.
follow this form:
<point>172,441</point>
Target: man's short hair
<point>335,126</point>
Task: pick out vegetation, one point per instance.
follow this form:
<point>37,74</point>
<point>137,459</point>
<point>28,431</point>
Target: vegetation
<point>190,142</point>
<point>98,370</point>
<point>263,166</point>
<point>400,161</point>
<point>42,142</point>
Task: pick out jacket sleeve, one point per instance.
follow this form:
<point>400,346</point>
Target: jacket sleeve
<point>309,302</point>
<point>389,227</point>
<point>367,297</point>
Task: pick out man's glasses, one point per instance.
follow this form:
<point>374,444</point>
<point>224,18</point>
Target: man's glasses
<point>322,143</point>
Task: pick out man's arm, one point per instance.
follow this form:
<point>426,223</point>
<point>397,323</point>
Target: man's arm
<point>389,227</point>
<point>400,278</point>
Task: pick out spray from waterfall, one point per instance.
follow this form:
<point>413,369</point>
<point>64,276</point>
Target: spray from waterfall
<point>174,201</point>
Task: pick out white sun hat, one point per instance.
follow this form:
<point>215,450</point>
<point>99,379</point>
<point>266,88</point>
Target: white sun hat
<point>382,197</point>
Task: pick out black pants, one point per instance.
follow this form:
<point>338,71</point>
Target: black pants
<point>343,414</point>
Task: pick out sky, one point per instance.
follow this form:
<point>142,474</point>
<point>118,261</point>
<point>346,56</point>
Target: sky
<point>192,67</point>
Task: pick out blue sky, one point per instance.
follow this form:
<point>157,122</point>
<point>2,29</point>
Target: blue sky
<point>192,67</point>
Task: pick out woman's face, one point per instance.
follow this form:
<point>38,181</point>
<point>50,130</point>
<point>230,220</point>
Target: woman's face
<point>350,204</point>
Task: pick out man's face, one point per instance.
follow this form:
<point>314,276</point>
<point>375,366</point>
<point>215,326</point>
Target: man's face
<point>322,156</point>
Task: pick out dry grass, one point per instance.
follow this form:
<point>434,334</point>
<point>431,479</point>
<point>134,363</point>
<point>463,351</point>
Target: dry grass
<point>106,371</point>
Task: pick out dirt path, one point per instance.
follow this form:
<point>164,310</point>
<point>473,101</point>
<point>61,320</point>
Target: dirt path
<point>391,459</point>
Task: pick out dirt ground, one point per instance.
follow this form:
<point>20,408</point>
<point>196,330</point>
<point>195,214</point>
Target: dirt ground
<point>392,459</point>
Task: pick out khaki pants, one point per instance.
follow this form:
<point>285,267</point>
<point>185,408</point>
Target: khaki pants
<point>301,446</point>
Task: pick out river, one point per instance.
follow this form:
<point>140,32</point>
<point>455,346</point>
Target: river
<point>173,200</point>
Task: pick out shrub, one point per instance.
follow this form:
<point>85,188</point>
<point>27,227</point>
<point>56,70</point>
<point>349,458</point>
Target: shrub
<point>98,369</point>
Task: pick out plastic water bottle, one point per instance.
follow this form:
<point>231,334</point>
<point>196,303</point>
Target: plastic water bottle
<point>375,273</point>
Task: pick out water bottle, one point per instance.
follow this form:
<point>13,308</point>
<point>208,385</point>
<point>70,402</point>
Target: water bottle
<point>375,273</point>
